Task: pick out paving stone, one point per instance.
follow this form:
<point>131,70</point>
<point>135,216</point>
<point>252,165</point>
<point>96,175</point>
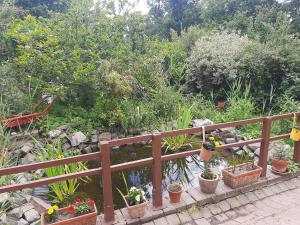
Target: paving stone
<point>233,202</point>
<point>184,217</point>
<point>221,218</point>
<point>187,199</point>
<point>231,214</point>
<point>202,221</point>
<point>290,184</point>
<point>268,191</point>
<point>251,196</point>
<point>151,214</point>
<point>282,187</point>
<point>173,219</point>
<point>214,209</point>
<point>161,221</point>
<point>224,205</point>
<point>243,200</point>
<point>260,194</point>
<point>128,219</point>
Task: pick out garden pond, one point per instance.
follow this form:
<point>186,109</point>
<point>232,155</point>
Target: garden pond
<point>184,170</point>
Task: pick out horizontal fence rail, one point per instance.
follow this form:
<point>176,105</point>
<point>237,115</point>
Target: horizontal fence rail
<point>155,161</point>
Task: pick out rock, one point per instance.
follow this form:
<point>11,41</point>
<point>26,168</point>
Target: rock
<point>230,140</point>
<point>54,133</point>
<point>22,222</point>
<point>28,159</point>
<point>254,147</point>
<point>15,213</point>
<point>63,127</point>
<point>87,150</point>
<point>94,138</point>
<point>114,136</point>
<point>4,197</point>
<point>239,138</point>
<point>201,122</point>
<point>40,172</point>
<point>11,221</point>
<point>36,223</point>
<point>27,147</point>
<point>230,130</point>
<point>106,136</point>
<point>31,215</point>
<point>3,219</point>
<point>66,146</point>
<point>26,207</point>
<point>40,205</point>
<point>94,147</point>
<point>77,138</point>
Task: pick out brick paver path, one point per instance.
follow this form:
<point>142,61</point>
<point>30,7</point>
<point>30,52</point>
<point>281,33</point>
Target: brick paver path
<point>278,204</point>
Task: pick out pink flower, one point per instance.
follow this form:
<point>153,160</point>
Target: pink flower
<point>90,202</point>
<point>77,201</point>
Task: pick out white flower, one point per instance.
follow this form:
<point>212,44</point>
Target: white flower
<point>132,188</point>
<point>143,193</point>
<point>138,198</point>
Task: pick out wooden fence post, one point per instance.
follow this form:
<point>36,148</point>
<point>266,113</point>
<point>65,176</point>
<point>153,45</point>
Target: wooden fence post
<point>157,171</point>
<point>264,147</point>
<point>297,147</point>
<point>109,214</point>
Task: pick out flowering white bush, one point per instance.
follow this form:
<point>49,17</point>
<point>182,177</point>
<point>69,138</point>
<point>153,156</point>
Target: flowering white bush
<point>135,196</point>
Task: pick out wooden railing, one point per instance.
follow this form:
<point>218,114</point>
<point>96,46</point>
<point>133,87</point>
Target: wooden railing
<point>156,160</point>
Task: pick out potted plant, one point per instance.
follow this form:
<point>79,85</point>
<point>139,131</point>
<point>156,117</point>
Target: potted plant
<point>280,160</point>
<point>136,202</point>
<point>209,147</point>
<point>175,191</point>
<point>208,180</point>
<point>81,212</point>
<point>242,171</point>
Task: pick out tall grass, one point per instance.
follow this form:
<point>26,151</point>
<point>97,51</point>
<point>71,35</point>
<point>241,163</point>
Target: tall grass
<point>65,189</point>
<point>179,141</point>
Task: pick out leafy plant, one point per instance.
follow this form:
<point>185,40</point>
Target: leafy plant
<point>179,141</point>
<point>282,154</point>
<point>207,173</point>
<point>293,167</point>
<point>135,196</point>
<point>64,189</point>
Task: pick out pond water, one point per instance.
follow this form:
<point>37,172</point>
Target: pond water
<point>184,170</point>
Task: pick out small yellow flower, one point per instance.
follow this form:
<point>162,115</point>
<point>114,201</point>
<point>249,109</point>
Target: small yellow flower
<point>50,211</point>
<point>55,207</point>
<point>217,144</point>
<point>212,138</point>
<point>60,156</point>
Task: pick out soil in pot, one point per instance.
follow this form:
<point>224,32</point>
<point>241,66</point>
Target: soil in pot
<point>208,186</point>
<point>175,191</point>
<point>279,164</point>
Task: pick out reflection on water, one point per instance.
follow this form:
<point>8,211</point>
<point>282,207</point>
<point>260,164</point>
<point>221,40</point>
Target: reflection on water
<point>184,171</point>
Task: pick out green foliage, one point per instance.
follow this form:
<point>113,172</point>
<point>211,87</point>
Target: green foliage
<point>179,141</point>
<point>281,153</point>
<point>207,173</point>
<point>64,189</point>
<point>135,196</point>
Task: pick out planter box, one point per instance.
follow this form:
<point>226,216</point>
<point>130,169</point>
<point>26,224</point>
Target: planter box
<point>87,219</point>
<point>136,211</point>
<point>243,178</point>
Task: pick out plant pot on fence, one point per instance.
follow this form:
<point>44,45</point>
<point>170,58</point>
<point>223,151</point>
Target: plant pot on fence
<point>280,165</point>
<point>208,186</point>
<point>295,134</point>
<point>175,191</point>
<point>206,154</point>
<point>66,219</point>
<point>241,175</point>
<point>136,211</point>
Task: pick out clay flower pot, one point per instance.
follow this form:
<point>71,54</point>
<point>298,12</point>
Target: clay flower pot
<point>174,191</point>
<point>136,211</point>
<point>89,219</point>
<point>205,154</point>
<point>208,186</point>
<point>295,134</point>
<point>279,165</point>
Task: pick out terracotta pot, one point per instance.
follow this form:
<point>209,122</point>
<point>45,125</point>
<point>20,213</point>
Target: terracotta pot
<point>136,211</point>
<point>244,177</point>
<point>205,154</point>
<point>208,186</point>
<point>87,219</point>
<point>295,134</point>
<point>174,192</point>
<point>279,165</point>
